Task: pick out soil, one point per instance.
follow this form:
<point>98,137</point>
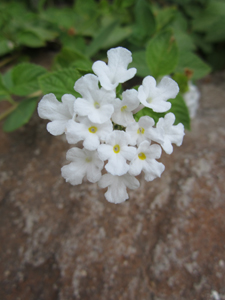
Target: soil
<point>167,242</point>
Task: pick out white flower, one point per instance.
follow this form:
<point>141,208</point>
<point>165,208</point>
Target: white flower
<point>96,103</point>
<point>139,131</point>
<point>117,152</point>
<point>145,160</point>
<point>58,112</point>
<point>155,97</point>
<point>191,98</point>
<point>170,133</point>
<point>117,185</point>
<point>83,162</point>
<point>116,71</point>
<point>90,133</point>
<point>123,109</point>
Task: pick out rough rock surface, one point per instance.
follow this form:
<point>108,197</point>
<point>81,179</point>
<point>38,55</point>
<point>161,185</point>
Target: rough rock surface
<point>167,242</point>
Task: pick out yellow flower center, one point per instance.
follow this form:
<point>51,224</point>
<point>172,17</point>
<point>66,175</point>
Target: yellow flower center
<point>92,129</point>
<point>116,148</point>
<point>96,105</point>
<point>88,159</point>
<point>123,108</point>
<point>142,156</point>
<point>140,130</point>
<point>149,100</point>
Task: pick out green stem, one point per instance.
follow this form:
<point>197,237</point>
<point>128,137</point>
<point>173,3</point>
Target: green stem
<point>7,60</point>
<point>10,100</point>
<point>35,94</point>
<point>8,111</point>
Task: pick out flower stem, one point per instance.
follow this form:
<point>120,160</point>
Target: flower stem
<point>35,94</point>
<point>10,100</point>
<point>7,60</point>
<point>8,111</point>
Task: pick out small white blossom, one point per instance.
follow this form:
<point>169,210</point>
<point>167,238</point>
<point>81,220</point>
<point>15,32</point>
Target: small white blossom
<point>140,131</point>
<point>145,160</point>
<point>123,109</point>
<point>116,71</point>
<point>191,98</point>
<point>58,112</point>
<point>117,152</point>
<point>156,96</point>
<point>83,163</point>
<point>96,103</point>
<point>90,133</point>
<point>170,133</point>
<point>117,186</point>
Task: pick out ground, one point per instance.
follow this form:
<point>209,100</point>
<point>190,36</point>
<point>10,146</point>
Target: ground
<point>167,242</point>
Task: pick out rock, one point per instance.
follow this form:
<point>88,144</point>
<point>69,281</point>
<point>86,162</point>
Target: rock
<point>167,242</point>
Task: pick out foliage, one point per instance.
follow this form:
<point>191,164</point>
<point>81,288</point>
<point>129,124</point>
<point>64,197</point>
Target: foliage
<point>165,39</point>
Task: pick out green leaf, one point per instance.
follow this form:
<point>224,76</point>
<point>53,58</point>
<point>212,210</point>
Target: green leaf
<point>148,112</point>
<point>3,89</point>
<point>35,36</point>
<point>41,4</point>
<point>145,21</point>
<point>67,57</point>
<point>139,62</point>
<point>180,22</point>
<point>43,33</point>
<point>21,115</point>
<point>190,61</point>
<point>180,111</point>
<point>25,78</point>
<point>29,39</point>
<point>164,17</point>
<point>184,40</point>
<point>117,35</point>
<point>193,9</point>
<point>216,32</point>
<point>60,82</point>
<point>82,66</point>
<point>119,90</point>
<point>86,8</point>
<point>6,46</point>
<point>7,79</point>
<point>87,13</point>
<point>206,19</point>
<point>66,15</point>
<point>182,81</point>
<point>162,54</point>
<point>127,3</point>
<point>100,38</point>
<point>74,42</point>
<point>201,43</point>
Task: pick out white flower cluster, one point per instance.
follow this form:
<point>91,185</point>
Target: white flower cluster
<point>94,117</point>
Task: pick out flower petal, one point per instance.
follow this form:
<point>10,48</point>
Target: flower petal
<point>153,169</point>
<point>57,127</point>
<point>86,84</point>
<point>117,191</point>
<point>168,88</point>
<point>73,173</point>
<point>116,72</point>
<point>117,165</point>
<point>82,107</point>
<point>91,142</point>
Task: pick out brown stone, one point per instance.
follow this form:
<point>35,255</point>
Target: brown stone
<point>167,242</point>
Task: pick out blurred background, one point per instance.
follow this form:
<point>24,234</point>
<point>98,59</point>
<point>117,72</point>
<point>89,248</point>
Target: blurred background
<point>67,242</point>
